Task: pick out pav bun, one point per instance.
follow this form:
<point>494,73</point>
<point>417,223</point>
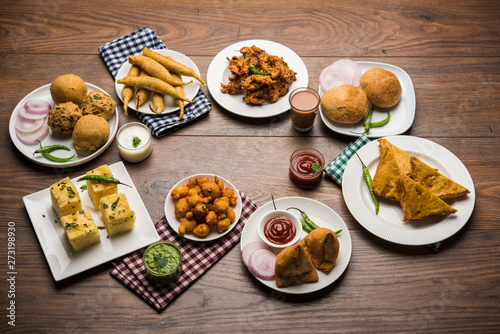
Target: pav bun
<point>90,133</point>
<point>345,104</point>
<point>382,87</point>
<point>68,88</point>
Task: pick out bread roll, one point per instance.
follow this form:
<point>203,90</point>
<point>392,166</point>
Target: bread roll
<point>382,87</point>
<point>345,104</point>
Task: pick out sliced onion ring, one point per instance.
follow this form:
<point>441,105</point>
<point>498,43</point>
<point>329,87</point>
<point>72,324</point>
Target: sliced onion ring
<point>37,106</point>
<point>31,138</point>
<point>28,125</point>
<point>23,113</point>
<point>261,263</point>
<point>333,76</point>
<point>249,248</point>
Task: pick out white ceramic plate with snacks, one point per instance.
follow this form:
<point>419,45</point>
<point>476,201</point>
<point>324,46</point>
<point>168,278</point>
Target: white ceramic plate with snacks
<point>388,224</point>
<point>213,234</point>
<point>62,260</point>
<point>81,157</point>
<point>218,72</point>
<point>402,114</point>
<point>190,90</point>
<point>323,216</point>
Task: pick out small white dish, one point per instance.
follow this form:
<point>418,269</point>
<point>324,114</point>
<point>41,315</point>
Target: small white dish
<point>402,114</point>
<point>81,157</point>
<point>218,72</point>
<point>175,223</point>
<point>280,213</point>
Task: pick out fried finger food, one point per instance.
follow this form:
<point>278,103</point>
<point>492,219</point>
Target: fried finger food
<point>434,181</point>
<point>258,76</point>
<point>417,202</point>
<point>294,267</point>
<point>153,84</point>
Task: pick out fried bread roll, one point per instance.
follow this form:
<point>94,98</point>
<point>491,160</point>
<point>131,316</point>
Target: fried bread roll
<point>323,248</point>
<point>294,267</point>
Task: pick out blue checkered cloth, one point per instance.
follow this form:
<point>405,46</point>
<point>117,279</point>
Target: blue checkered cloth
<point>116,52</point>
<point>335,169</point>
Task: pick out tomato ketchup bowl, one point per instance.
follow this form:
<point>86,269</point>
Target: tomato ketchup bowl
<point>280,229</point>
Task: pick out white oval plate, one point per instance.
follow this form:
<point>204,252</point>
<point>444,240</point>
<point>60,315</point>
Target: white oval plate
<point>323,216</point>
<point>81,157</point>
<point>388,224</point>
<point>170,106</point>
<point>402,114</point>
<point>61,258</point>
<point>213,234</point>
<point>218,73</point>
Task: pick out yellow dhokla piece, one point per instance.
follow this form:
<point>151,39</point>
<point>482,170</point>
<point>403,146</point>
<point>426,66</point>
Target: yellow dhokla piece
<point>116,214</point>
<point>64,197</point>
<point>97,189</point>
<point>80,229</point>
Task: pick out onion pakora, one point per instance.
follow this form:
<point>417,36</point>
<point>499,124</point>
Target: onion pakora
<point>258,75</point>
<point>202,203</point>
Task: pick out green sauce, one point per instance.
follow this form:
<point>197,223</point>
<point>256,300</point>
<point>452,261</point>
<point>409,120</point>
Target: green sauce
<point>163,262</point>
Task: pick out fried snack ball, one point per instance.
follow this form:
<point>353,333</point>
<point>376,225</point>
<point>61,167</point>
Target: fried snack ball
<point>195,198</point>
<point>223,225</point>
<point>90,133</point>
<point>181,207</point>
<point>180,191</point>
<point>221,205</point>
<point>229,193</point>
<point>231,215</point>
<point>210,189</point>
<point>187,225</point>
<point>200,209</point>
<point>63,117</point>
<point>193,182</point>
<point>99,104</point>
<point>68,88</point>
<point>211,218</point>
<point>201,230</point>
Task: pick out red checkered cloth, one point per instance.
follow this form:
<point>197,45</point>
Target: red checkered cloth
<point>197,257</point>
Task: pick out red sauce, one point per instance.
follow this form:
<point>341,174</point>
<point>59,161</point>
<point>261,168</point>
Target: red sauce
<point>279,230</point>
<point>301,173</point>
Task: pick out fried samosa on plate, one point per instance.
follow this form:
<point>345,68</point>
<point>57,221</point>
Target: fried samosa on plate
<point>434,181</point>
<point>392,162</point>
<point>417,202</point>
<point>294,267</point>
<point>323,248</point>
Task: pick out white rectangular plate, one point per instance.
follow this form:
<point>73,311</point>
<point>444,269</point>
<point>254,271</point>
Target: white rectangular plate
<point>62,260</point>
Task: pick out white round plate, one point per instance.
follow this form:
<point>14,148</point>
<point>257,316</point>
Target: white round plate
<point>402,114</point>
<point>218,72</point>
<point>214,234</point>
<point>170,105</point>
<point>323,216</point>
<point>81,157</point>
<point>388,224</point>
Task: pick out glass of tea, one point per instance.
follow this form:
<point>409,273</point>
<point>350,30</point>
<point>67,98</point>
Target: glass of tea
<point>304,104</point>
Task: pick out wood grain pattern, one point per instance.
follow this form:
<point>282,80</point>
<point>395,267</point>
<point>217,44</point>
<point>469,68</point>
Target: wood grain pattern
<point>450,50</point>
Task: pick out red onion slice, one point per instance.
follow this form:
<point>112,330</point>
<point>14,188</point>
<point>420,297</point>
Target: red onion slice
<point>28,125</point>
<point>249,248</point>
<point>351,68</point>
<point>31,138</point>
<point>333,76</point>
<point>23,113</point>
<point>261,264</point>
<point>37,106</point>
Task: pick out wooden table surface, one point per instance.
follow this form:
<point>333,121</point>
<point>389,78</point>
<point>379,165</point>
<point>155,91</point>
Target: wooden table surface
<point>450,49</point>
